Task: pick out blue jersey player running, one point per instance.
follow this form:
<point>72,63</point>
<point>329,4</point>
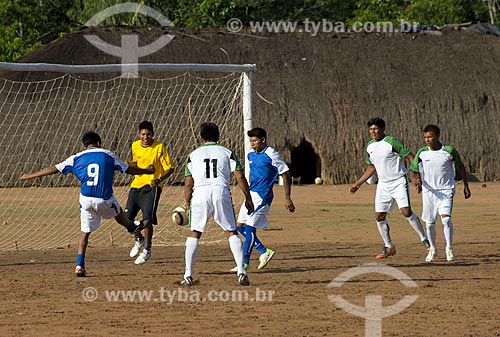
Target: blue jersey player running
<point>95,168</point>
<point>265,166</point>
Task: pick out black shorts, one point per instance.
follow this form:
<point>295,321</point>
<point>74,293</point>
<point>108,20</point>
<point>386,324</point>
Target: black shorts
<point>144,199</point>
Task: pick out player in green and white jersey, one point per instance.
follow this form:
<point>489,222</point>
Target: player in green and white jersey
<point>434,167</point>
<point>207,193</point>
<point>385,155</point>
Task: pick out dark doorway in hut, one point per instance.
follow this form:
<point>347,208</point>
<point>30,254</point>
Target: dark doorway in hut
<point>306,164</point>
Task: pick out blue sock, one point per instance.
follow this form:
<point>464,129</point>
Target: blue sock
<point>147,247</point>
<point>131,227</point>
<point>259,246</point>
<point>249,242</point>
<point>80,260</point>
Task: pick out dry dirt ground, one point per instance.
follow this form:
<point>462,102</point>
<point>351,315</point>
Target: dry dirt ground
<point>331,233</point>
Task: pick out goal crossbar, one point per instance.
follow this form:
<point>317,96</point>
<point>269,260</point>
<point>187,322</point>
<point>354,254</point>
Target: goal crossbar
<point>98,68</point>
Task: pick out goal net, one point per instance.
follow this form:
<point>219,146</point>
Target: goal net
<point>42,123</point>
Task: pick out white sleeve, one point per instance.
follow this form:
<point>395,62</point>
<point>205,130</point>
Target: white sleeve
<point>277,161</point>
<point>119,164</point>
<point>66,166</point>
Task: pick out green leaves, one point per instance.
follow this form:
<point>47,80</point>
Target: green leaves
<point>423,12</point>
<point>26,25</point>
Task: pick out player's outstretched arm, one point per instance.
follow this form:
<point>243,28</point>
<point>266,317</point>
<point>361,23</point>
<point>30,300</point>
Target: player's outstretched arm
<point>463,173</point>
<point>243,184</point>
<point>43,172</point>
<point>135,170</point>
<point>288,191</point>
<point>370,170</point>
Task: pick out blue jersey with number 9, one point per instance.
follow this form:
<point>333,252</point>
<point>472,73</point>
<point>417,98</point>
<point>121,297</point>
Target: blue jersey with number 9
<point>95,168</point>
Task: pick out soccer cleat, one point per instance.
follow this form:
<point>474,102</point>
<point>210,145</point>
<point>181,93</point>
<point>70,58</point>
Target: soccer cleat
<point>80,272</point>
<point>243,280</point>
<point>245,265</point>
<point>427,244</point>
<point>386,253</point>
<point>265,258</point>
<point>187,282</point>
<point>431,256</point>
<point>449,255</point>
<point>143,257</point>
<point>139,243</point>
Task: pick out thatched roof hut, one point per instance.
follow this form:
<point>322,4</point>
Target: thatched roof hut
<point>314,94</point>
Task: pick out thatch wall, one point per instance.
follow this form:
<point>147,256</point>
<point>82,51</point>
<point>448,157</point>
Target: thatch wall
<point>324,88</point>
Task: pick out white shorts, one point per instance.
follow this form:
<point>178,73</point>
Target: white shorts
<point>436,202</point>
<point>212,201</point>
<point>92,210</point>
<point>387,192</point>
<point>258,218</point>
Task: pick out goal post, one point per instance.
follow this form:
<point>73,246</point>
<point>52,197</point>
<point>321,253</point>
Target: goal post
<point>43,120</point>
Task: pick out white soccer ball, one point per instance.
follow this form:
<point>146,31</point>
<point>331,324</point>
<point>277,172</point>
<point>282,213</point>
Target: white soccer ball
<point>318,181</point>
<point>179,216</point>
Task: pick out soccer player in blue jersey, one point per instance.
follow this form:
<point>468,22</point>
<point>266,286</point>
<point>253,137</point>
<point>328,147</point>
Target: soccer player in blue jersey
<point>265,166</point>
<point>95,168</point>
<point>385,155</point>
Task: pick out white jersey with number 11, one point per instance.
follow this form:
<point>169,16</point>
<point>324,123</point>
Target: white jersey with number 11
<point>211,165</point>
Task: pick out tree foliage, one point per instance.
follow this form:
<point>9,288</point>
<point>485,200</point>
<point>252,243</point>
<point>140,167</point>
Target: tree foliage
<point>27,24</point>
<point>423,12</point>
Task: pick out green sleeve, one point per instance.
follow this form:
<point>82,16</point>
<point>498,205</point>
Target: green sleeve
<point>367,159</point>
<point>239,167</point>
<point>187,173</point>
<point>398,146</point>
<point>417,160</point>
<point>454,154</point>
<point>367,155</point>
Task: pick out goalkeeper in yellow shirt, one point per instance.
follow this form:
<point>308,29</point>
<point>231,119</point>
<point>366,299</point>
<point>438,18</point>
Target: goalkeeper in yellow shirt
<point>145,189</point>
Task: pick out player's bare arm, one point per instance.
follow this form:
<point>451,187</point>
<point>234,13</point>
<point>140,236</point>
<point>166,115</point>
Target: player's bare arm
<point>463,173</point>
<point>43,172</point>
<point>188,192</point>
<point>416,179</point>
<point>370,170</point>
<point>409,158</point>
<point>162,178</point>
<point>135,170</point>
<point>243,184</point>
<point>288,191</point>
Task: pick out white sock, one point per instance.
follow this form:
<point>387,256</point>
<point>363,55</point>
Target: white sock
<point>237,249</point>
<point>448,231</point>
<point>431,234</point>
<point>384,229</point>
<point>417,226</point>
<point>190,251</point>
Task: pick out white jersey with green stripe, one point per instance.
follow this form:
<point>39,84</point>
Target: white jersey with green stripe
<point>211,164</point>
<point>387,155</point>
<point>437,167</point>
